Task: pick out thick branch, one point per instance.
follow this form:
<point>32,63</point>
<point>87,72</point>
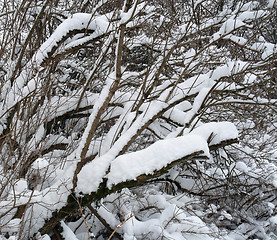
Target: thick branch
<point>103,191</point>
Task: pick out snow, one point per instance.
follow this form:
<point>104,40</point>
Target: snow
<point>273,220</point>
<point>200,98</point>
<point>250,78</point>
<point>53,198</point>
<point>77,21</point>
<point>26,83</point>
<point>186,183</point>
<point>99,166</point>
<point>239,40</point>
<point>108,216</point>
<point>39,134</point>
<point>44,237</point>
<point>155,157</point>
<point>59,105</point>
<point>20,186</point>
<point>67,232</point>
<point>241,166</point>
<point>231,25</point>
<point>12,227</point>
<point>170,223</point>
<point>126,16</point>
<point>274,182</point>
<point>177,115</point>
<point>249,15</point>
<point>270,50</point>
<point>228,27</point>
<point>130,165</point>
<point>271,3</point>
<point>40,163</point>
<point>219,131</point>
<point>202,84</point>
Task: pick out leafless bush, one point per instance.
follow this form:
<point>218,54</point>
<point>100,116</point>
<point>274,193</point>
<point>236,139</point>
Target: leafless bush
<point>126,113</point>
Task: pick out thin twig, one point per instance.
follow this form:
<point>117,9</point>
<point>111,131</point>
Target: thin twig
<point>119,226</point>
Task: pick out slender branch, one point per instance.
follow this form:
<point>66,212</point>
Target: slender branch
<point>104,222</point>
